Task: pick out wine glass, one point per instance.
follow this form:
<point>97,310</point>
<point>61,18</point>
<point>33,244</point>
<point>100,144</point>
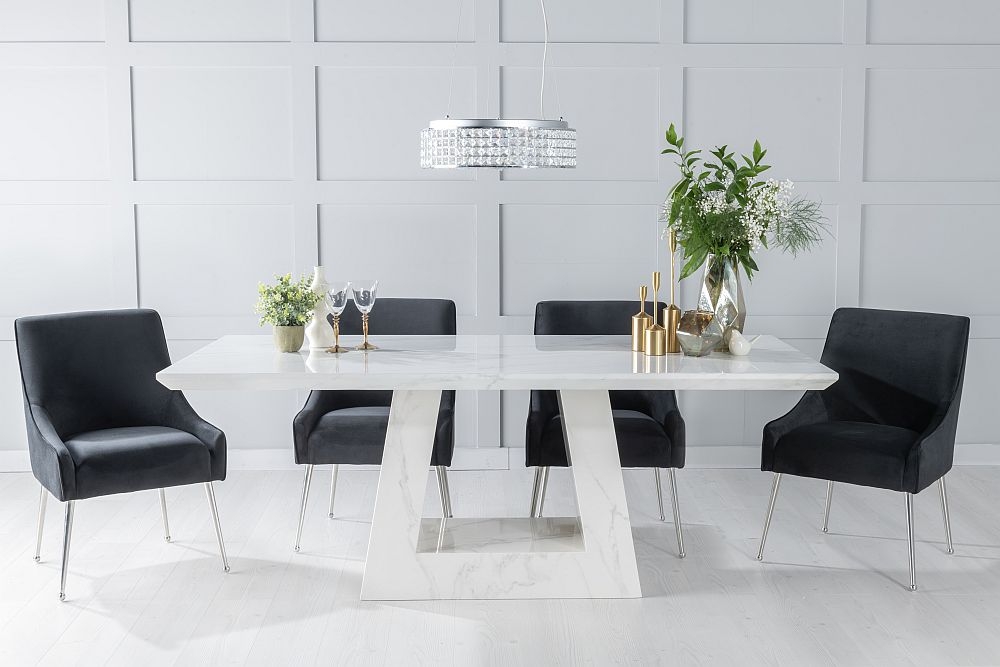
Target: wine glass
<point>364,299</point>
<point>336,299</point>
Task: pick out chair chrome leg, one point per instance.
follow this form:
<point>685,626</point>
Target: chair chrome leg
<point>43,497</point>
<point>535,490</point>
<point>659,493</point>
<point>163,511</point>
<point>829,499</point>
<point>770,511</point>
<point>210,490</point>
<point>909,539</point>
<point>944,513</point>
<point>444,490</point>
<point>67,535</point>
<point>333,487</point>
<point>672,476</point>
<point>542,488</point>
<point>302,509</point>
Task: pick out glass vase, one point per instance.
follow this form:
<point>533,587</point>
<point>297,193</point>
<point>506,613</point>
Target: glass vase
<point>722,293</point>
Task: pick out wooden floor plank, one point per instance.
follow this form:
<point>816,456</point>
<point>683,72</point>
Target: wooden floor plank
<point>836,598</point>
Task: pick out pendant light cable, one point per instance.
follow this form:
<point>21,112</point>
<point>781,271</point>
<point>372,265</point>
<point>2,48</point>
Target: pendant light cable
<point>500,143</point>
<point>545,56</point>
<point>454,56</point>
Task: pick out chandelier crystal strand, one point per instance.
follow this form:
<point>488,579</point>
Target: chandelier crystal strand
<point>501,143</point>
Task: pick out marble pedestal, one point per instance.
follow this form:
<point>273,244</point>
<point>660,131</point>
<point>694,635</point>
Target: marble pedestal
<point>411,558</point>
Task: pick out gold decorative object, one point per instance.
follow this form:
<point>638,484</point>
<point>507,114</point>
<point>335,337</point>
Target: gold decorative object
<point>672,314</point>
<point>699,332</point>
<point>655,338</point>
<point>365,345</point>
<point>640,322</point>
<point>337,347</point>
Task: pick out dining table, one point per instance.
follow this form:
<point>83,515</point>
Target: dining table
<point>413,557</point>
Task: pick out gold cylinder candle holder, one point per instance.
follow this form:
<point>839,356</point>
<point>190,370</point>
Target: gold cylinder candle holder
<point>672,314</point>
<point>640,322</point>
<point>655,342</point>
<point>655,337</point>
<point>672,319</point>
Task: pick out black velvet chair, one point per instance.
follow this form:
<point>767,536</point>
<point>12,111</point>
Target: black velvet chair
<point>889,422</point>
<point>648,424</point>
<point>348,427</point>
<point>98,421</point>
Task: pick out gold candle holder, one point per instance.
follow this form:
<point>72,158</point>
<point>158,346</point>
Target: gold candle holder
<point>640,322</point>
<point>337,347</point>
<point>672,315</point>
<point>655,337</point>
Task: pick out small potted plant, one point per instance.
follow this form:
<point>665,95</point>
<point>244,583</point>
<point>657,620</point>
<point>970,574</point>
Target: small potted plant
<point>286,305</point>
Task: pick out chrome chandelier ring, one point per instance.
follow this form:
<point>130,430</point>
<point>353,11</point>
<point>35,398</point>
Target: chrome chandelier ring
<point>507,143</point>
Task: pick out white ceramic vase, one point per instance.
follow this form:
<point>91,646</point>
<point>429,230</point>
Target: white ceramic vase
<point>318,330</point>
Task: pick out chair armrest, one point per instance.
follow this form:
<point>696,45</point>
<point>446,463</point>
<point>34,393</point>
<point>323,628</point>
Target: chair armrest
<point>543,406</point>
<point>181,416</point>
<point>304,423</point>
<point>51,462</point>
<point>317,404</point>
<point>662,406</point>
<point>811,409</point>
<point>933,453</point>
<point>448,400</point>
<point>674,426</point>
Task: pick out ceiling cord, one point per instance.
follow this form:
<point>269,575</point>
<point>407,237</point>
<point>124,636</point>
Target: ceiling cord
<point>454,56</point>
<point>545,55</point>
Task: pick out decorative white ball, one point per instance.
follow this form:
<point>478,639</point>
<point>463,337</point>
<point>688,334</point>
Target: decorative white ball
<point>738,344</point>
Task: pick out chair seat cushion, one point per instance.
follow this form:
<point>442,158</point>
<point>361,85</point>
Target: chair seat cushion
<point>121,460</point>
<point>642,442</point>
<point>846,451</point>
<point>356,436</point>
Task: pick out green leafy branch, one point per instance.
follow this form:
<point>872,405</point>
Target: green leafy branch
<point>710,205</point>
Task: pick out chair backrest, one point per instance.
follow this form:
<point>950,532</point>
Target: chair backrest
<point>404,317</point>
<point>397,317</point>
<point>587,318</point>
<point>94,370</point>
<point>900,368</point>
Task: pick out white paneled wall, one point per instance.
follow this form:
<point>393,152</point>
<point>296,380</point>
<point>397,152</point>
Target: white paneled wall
<point>170,155</point>
<point>54,123</point>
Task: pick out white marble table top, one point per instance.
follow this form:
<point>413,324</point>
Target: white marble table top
<point>491,362</point>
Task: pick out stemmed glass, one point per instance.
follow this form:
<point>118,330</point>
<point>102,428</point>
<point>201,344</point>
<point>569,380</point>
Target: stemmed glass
<point>336,299</point>
<point>364,299</point>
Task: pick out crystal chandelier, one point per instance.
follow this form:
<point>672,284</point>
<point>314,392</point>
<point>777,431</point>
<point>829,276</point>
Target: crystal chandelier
<point>502,143</point>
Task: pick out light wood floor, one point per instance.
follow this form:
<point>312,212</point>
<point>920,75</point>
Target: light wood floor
<point>840,598</point>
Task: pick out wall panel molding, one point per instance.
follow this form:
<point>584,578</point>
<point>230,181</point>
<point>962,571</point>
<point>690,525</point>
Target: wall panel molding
<point>281,133</point>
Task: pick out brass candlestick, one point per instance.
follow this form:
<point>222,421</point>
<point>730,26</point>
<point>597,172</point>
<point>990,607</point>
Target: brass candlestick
<point>672,315</point>
<point>640,322</point>
<point>655,338</point>
<point>337,348</point>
